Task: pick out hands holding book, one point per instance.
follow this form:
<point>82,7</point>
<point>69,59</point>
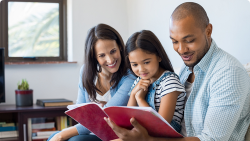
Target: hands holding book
<point>102,103</point>
<point>138,133</point>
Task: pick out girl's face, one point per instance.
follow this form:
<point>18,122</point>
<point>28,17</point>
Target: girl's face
<point>108,55</point>
<point>144,65</point>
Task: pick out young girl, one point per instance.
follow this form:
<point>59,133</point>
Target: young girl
<point>157,85</point>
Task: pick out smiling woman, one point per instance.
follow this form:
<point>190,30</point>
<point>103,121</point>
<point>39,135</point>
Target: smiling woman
<point>104,77</point>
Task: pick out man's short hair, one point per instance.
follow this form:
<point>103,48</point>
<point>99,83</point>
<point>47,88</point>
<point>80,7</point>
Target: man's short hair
<point>191,9</point>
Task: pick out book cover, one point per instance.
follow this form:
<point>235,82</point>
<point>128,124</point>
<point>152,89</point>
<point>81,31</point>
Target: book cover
<point>53,102</point>
<point>91,116</point>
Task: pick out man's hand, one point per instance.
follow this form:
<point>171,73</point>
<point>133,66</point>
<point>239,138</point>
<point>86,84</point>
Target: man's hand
<point>117,140</point>
<point>138,133</point>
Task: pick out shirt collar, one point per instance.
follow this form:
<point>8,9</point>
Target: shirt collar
<point>205,61</point>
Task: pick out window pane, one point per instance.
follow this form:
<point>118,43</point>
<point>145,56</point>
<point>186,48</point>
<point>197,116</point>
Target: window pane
<point>33,29</point>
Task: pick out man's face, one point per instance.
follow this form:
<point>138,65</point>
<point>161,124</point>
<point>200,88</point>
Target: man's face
<point>189,41</point>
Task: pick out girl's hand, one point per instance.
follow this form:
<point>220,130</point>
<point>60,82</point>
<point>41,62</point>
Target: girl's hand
<point>143,84</point>
<point>140,95</point>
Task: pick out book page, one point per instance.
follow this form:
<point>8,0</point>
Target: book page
<point>70,107</point>
<point>149,109</point>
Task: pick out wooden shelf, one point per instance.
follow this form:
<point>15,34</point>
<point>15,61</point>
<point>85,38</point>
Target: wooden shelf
<point>9,139</point>
<point>22,114</point>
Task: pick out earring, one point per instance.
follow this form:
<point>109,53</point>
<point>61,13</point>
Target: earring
<point>99,68</point>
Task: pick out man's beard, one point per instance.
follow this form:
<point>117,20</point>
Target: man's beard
<point>199,57</point>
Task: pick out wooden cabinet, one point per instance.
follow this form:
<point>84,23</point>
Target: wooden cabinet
<point>20,115</point>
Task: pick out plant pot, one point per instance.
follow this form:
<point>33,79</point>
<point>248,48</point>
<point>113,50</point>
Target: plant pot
<point>24,97</point>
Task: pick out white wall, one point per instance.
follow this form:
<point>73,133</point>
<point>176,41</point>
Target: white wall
<point>61,80</point>
<point>230,20</point>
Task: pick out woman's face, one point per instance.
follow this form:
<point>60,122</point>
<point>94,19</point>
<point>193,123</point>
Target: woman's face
<point>108,55</point>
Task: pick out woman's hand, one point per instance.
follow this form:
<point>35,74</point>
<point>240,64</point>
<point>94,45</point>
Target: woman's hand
<point>102,103</point>
<point>65,134</point>
<point>57,137</point>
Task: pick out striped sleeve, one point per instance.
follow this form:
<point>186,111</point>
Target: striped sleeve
<point>170,84</point>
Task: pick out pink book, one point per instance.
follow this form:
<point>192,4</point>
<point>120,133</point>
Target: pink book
<point>91,116</point>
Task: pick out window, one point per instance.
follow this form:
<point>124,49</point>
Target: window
<point>33,30</point>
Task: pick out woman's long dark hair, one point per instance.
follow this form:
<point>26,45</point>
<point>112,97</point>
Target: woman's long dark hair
<point>148,42</point>
<point>92,67</point>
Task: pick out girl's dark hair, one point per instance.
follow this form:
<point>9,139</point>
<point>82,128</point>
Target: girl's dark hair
<point>92,67</point>
<point>148,42</point>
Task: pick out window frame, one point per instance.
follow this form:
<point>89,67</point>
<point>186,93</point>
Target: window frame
<point>62,32</point>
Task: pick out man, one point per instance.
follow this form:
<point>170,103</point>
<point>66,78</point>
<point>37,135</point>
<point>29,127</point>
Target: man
<point>217,86</point>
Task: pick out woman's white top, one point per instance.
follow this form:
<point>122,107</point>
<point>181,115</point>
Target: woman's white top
<point>106,97</point>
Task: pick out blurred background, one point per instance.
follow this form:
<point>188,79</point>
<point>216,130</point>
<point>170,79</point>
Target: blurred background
<point>230,20</point>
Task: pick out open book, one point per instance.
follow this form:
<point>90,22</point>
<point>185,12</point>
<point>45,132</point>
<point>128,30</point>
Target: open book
<point>91,116</point>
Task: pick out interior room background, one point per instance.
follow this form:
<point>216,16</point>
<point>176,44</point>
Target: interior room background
<point>231,31</point>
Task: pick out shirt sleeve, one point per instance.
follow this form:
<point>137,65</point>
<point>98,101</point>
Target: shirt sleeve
<point>81,91</point>
<point>171,83</point>
<point>81,99</point>
<point>120,98</point>
<point>134,84</point>
<point>228,92</point>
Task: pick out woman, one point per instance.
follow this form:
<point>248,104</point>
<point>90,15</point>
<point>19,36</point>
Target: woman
<point>104,78</point>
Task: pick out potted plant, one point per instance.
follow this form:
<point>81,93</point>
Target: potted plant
<point>24,95</point>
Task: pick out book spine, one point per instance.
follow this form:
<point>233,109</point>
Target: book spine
<point>43,125</point>
<point>29,129</point>
<point>9,128</point>
<point>58,123</point>
<point>8,125</point>
<point>8,134</point>
<point>62,123</point>
<point>40,103</point>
